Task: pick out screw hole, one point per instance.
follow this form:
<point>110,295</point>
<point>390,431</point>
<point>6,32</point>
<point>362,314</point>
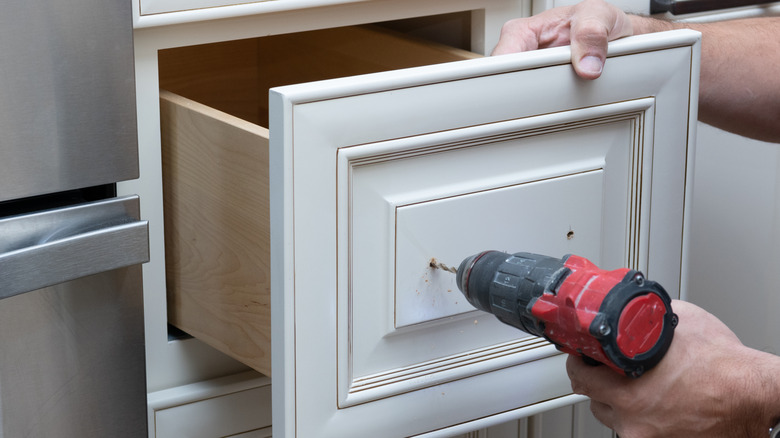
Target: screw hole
<point>570,235</point>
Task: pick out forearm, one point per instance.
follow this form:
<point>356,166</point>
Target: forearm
<point>739,90</point>
<point>763,403</point>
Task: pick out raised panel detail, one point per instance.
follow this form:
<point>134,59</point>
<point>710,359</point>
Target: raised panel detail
<point>554,184</point>
<point>545,214</point>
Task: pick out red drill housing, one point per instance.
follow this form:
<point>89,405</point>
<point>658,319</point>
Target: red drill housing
<point>617,317</point>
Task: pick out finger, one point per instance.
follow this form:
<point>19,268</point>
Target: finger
<point>516,36</point>
<point>547,29</point>
<point>588,48</point>
<point>600,383</point>
<point>603,412</point>
<point>593,25</point>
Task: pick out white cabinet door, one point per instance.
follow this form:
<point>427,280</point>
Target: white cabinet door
<point>372,176</point>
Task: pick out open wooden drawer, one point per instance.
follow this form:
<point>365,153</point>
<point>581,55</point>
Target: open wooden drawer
<point>371,176</point>
<point>215,157</point>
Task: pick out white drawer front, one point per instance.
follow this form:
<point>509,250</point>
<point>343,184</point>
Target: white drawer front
<point>373,176</point>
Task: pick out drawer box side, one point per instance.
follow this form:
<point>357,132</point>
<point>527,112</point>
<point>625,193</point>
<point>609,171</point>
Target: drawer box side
<point>217,236</point>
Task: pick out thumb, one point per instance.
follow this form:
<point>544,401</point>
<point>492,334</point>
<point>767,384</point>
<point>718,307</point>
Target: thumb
<point>593,25</point>
<point>588,48</point>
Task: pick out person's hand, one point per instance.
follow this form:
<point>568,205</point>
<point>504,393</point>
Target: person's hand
<point>587,26</point>
<point>708,385</point>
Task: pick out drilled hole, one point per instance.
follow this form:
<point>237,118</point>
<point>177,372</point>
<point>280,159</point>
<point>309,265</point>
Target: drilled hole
<point>570,235</point>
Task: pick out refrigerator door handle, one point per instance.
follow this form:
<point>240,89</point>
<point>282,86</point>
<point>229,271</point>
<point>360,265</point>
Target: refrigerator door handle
<point>679,7</point>
<point>44,249</point>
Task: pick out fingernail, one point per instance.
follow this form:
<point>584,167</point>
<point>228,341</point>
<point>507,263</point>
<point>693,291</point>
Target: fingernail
<point>591,65</point>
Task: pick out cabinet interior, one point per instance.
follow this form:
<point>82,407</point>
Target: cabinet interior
<point>235,76</point>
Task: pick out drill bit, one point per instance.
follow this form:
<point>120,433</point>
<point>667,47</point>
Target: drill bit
<point>435,264</point>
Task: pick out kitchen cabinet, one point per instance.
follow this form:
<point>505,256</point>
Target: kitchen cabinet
<point>633,6</point>
<point>173,362</point>
<point>353,337</point>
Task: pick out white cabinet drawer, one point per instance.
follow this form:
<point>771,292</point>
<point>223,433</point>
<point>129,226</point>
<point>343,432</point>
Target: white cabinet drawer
<point>371,177</point>
<point>149,7</point>
<point>237,405</point>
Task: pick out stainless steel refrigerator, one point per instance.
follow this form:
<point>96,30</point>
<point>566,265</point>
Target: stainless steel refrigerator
<point>71,306</point>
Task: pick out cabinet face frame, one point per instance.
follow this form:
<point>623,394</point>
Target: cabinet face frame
<point>312,124</point>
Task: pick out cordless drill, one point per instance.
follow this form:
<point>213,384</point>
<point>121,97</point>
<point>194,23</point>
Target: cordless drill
<point>617,318</point>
